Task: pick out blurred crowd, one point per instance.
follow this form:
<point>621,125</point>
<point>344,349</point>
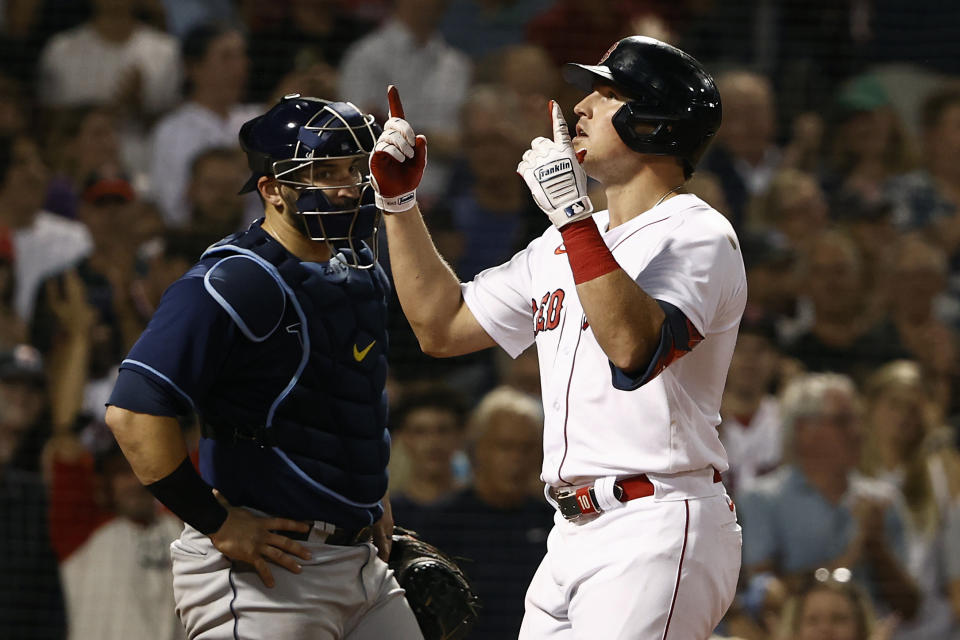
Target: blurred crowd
<point>838,163</point>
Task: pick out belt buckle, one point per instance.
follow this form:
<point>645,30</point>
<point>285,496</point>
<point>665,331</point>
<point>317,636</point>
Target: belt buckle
<point>575,503</point>
<point>567,503</point>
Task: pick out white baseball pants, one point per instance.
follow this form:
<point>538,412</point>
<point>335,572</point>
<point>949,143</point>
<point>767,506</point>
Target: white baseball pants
<point>663,567</point>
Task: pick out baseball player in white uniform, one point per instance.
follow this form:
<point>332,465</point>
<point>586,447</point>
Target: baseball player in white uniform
<point>634,312</point>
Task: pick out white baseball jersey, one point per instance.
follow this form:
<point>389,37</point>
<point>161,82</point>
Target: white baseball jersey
<point>682,252</point>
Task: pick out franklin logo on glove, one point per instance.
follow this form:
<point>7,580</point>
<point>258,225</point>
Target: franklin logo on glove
<point>555,168</point>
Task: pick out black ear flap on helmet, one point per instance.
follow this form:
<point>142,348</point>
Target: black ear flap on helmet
<point>628,121</point>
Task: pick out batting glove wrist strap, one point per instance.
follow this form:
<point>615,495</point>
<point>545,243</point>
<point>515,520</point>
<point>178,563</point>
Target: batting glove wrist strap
<point>185,493</point>
<point>396,166</point>
<point>395,204</point>
<point>571,212</point>
<point>552,171</point>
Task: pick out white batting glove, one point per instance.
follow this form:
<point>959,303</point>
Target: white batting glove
<point>397,162</point>
<point>554,176</point>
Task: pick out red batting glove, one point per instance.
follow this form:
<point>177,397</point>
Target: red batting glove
<point>397,161</point>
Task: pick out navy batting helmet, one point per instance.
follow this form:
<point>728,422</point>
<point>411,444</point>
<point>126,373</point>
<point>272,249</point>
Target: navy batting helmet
<point>665,87</point>
<point>291,140</point>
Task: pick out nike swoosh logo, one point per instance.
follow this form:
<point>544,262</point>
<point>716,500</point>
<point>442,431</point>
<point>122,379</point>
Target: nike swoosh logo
<point>359,355</point>
<point>560,250</point>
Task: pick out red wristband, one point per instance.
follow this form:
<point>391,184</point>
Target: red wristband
<point>588,255</point>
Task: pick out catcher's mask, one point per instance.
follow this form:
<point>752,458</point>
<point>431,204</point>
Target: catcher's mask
<point>320,150</point>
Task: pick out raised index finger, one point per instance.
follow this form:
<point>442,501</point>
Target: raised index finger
<point>560,132</point>
<point>393,97</point>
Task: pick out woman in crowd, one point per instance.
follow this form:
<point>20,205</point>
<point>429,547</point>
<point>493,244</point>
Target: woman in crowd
<point>906,444</point>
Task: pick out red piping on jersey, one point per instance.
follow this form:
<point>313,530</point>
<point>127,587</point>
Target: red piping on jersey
<point>566,408</point>
<point>683,549</point>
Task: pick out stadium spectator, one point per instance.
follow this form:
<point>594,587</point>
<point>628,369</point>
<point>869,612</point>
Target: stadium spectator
<point>924,316</point>
<point>868,221</point>
<point>815,512</point>
<point>793,205</point>
<point>480,27</point>
<point>496,525</point>
<point>750,427</point>
<point>489,204</point>
<point>113,58</point>
<point>307,43</point>
<point>215,209</point>
<point>118,584</point>
<point>79,141</point>
<point>428,425</point>
<point>408,51</point>
<point>848,335</point>
<point>829,605</point>
<point>773,280</point>
<point>868,144</point>
<point>598,24</point>
<point>216,63</point>
<point>31,600</point>
<point>905,444</point>
<point>43,243</point>
<point>527,73</point>
<point>183,15</point>
<point>23,407</point>
<point>929,197</point>
<point>745,157</point>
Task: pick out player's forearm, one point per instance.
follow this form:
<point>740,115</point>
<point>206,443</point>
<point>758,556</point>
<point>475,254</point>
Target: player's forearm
<point>625,320</point>
<point>153,445</point>
<point>427,287</point>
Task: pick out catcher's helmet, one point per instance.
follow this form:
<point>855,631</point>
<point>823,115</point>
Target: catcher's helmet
<point>288,141</point>
<point>665,87</point>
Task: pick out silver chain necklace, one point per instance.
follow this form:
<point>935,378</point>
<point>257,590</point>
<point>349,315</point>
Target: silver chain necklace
<point>664,196</point>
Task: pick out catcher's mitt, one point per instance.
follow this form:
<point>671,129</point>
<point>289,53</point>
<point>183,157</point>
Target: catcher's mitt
<point>437,590</point>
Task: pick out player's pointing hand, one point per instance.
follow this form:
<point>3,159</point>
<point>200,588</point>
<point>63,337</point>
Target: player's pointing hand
<point>552,171</point>
<point>249,538</point>
<point>397,161</point>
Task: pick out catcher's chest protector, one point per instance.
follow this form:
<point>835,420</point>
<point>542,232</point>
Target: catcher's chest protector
<point>329,422</point>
